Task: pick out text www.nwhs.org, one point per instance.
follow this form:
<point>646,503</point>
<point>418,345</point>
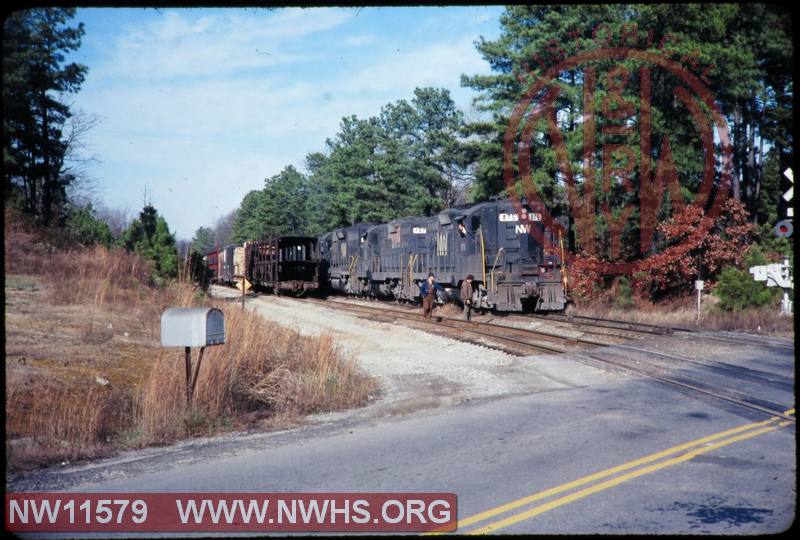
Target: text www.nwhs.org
<point>399,512</point>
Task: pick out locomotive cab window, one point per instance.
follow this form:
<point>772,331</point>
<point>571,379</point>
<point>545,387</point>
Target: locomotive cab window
<point>394,236</point>
<point>476,223</point>
<point>462,230</point>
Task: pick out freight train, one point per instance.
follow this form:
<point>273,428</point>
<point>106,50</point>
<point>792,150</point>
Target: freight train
<point>512,270</point>
<point>282,264</point>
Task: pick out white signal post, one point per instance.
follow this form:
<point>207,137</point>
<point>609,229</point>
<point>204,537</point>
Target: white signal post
<point>777,275</point>
<point>698,286</point>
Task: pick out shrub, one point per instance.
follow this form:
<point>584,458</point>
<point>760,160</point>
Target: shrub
<point>624,297</point>
<point>84,228</point>
<point>738,290</point>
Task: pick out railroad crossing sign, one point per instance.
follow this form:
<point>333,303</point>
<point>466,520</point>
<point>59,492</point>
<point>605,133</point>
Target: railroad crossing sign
<point>784,228</point>
<point>776,275</point>
<point>790,193</point>
<point>242,282</point>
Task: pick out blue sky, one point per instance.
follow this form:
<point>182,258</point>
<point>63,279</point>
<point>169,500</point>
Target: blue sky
<point>201,105</point>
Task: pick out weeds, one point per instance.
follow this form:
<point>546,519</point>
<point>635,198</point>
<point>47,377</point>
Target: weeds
<point>682,313</point>
<point>64,313</point>
<point>263,368</point>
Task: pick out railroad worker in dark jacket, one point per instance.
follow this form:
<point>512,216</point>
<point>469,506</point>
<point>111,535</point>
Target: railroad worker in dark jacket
<point>466,296</point>
<point>428,292</point>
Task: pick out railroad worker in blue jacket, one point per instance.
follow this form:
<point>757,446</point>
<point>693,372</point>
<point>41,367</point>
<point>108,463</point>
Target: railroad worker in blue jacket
<point>466,296</point>
<point>428,292</point>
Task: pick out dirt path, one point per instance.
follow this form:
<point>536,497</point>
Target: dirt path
<point>418,370</point>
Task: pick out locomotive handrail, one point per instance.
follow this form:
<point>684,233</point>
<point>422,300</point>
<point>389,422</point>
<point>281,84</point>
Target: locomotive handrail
<point>351,267</point>
<point>483,255</point>
<point>494,265</point>
<point>411,260</point>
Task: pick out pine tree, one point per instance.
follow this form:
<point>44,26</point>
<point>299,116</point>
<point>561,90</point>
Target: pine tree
<point>35,79</point>
<point>149,236</point>
<point>203,241</point>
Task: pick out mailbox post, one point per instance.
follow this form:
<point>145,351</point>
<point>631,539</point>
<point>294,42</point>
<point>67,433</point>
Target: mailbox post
<point>192,327</point>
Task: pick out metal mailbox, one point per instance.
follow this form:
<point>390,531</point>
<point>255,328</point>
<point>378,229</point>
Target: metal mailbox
<point>192,327</point>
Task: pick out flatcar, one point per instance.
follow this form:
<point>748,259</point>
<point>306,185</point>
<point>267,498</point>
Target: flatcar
<point>491,241</point>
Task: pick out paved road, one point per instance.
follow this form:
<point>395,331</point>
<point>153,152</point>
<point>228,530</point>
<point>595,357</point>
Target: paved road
<point>619,456</point>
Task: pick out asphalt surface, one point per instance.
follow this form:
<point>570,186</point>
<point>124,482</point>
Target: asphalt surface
<point>735,475</point>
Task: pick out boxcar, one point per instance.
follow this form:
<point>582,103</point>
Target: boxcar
<point>211,260</point>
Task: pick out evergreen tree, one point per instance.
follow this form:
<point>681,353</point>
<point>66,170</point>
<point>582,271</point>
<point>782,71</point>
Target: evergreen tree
<point>149,236</point>
<point>747,47</point>
<point>410,160</point>
<point>35,79</point>
<point>247,227</point>
<point>277,209</point>
<point>84,227</point>
<point>203,241</point>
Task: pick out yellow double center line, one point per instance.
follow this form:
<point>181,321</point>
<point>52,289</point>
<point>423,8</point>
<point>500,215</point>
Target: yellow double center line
<point>691,449</point>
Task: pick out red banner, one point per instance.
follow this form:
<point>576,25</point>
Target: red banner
<point>230,512</point>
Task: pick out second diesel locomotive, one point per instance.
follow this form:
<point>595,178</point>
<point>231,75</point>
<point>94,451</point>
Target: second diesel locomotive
<point>512,271</point>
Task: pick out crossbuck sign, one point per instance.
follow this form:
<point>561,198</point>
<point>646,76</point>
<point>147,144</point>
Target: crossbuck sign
<point>776,275</point>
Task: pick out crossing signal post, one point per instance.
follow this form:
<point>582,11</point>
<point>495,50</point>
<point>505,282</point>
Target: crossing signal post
<point>777,275</point>
<point>785,228</point>
<point>789,193</point>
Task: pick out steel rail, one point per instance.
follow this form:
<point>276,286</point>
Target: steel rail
<point>477,324</point>
<point>688,386</point>
<point>614,324</point>
<point>452,324</point>
<point>394,314</point>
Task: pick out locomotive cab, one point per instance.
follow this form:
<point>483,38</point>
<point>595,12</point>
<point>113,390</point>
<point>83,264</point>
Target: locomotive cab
<point>514,272</point>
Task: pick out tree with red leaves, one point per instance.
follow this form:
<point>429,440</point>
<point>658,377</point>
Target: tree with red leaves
<point>685,254</point>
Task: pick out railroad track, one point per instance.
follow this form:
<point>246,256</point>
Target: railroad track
<point>613,328</point>
<point>616,324</point>
<point>661,367</point>
<point>620,357</point>
<point>598,326</point>
<point>510,339</point>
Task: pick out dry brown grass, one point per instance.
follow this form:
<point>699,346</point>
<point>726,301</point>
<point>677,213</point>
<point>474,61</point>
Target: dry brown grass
<point>682,313</point>
<point>264,371</point>
<point>86,376</point>
<point>449,310</point>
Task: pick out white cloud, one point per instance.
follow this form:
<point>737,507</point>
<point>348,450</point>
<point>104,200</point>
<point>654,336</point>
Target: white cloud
<point>436,64</point>
<point>202,106</point>
<point>183,44</point>
<point>359,41</point>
